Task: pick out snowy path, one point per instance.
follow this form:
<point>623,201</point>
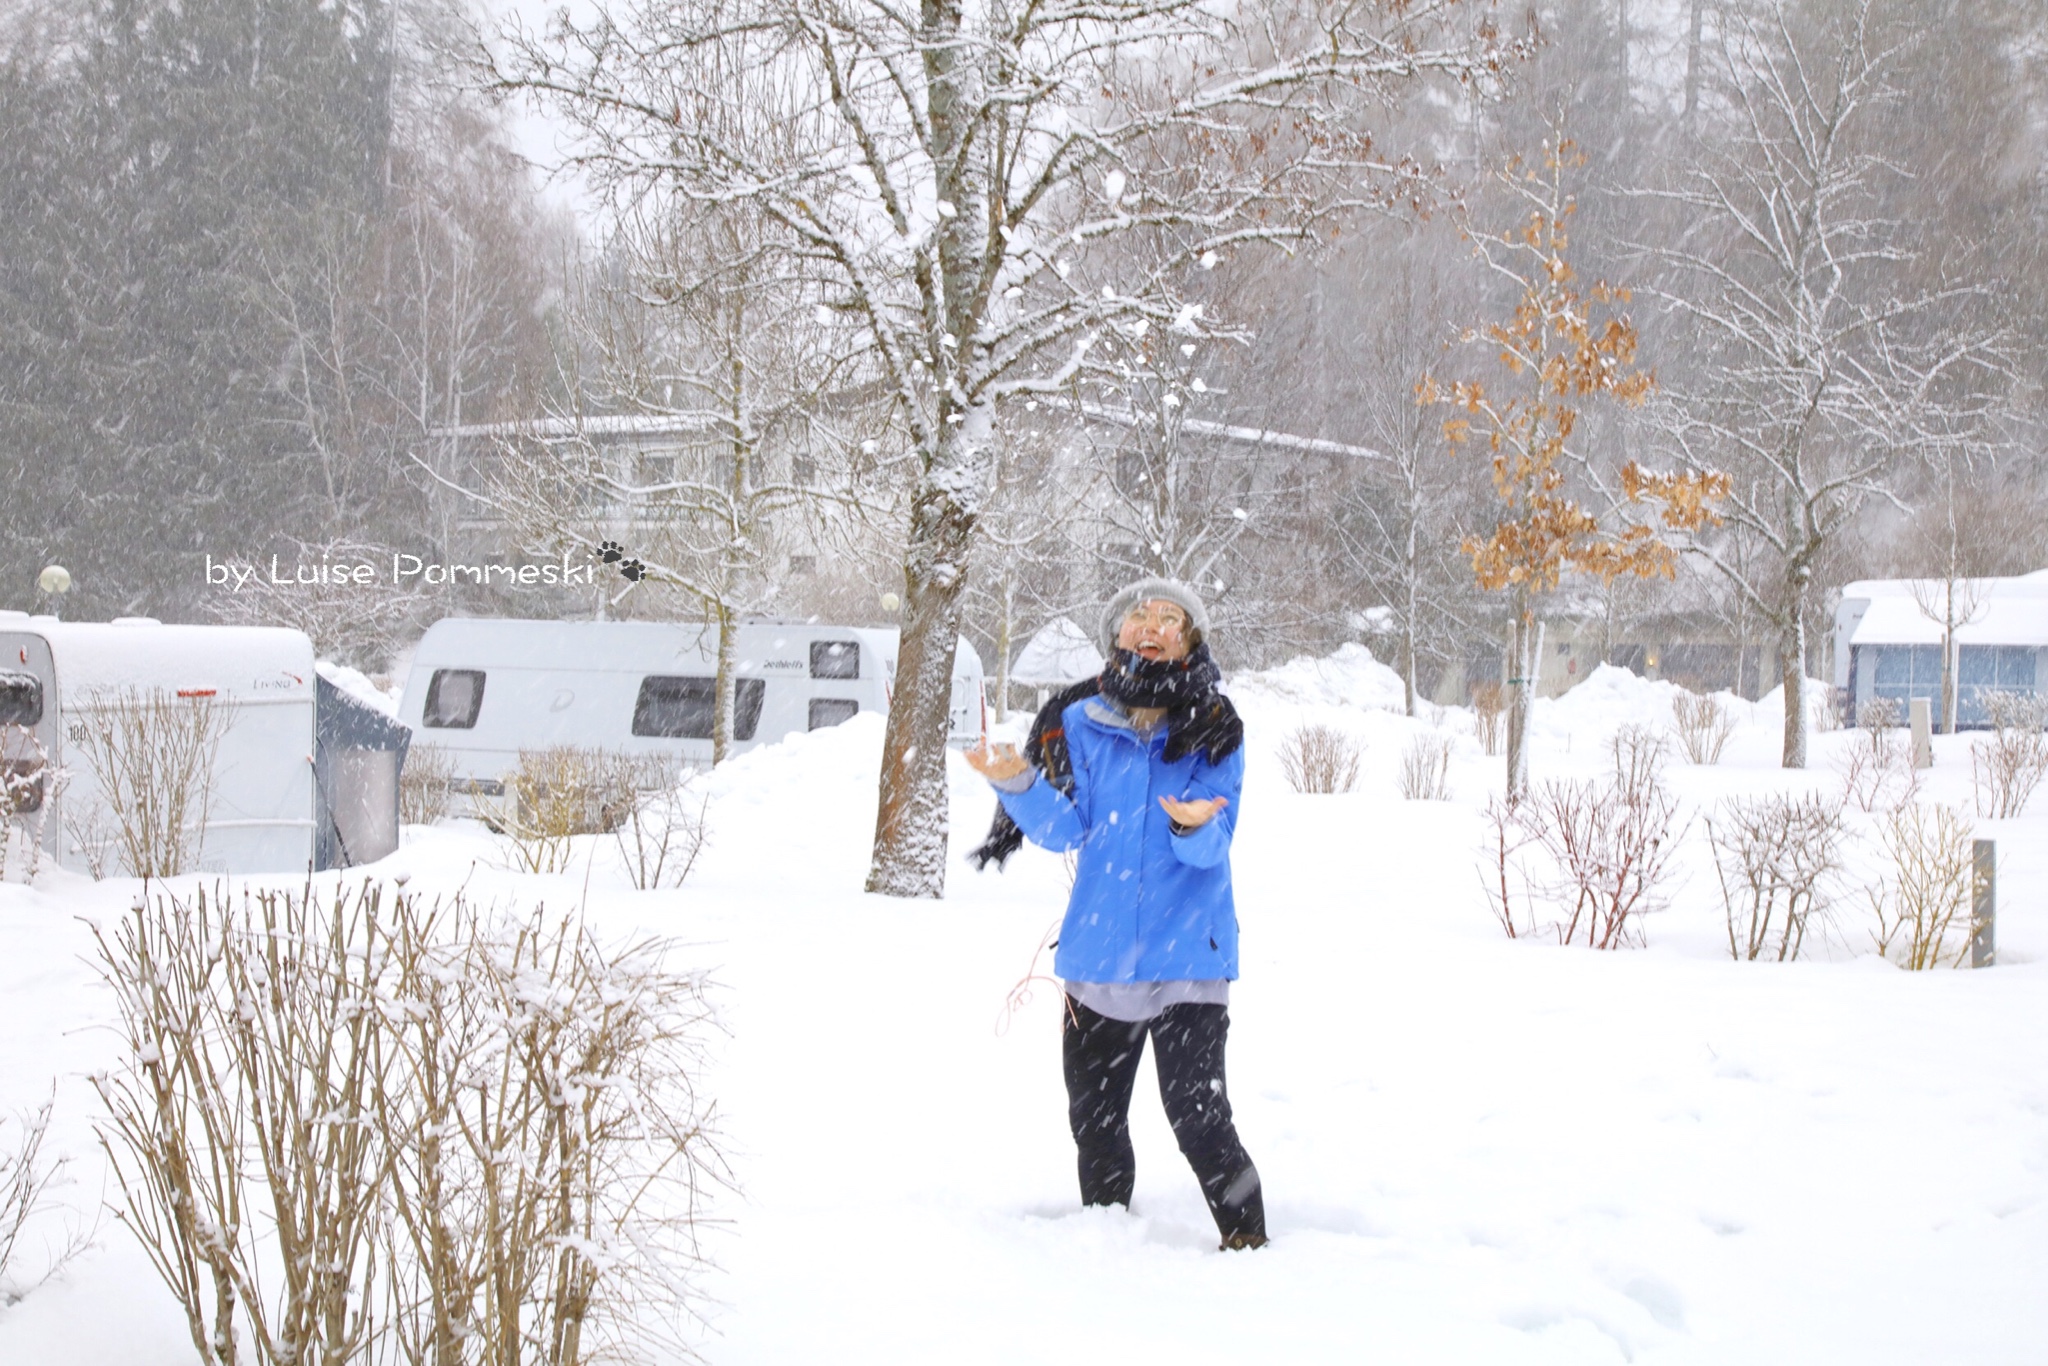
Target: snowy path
<point>1474,1151</point>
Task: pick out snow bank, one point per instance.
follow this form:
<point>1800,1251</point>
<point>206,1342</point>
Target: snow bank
<point>1474,1151</point>
<point>1349,678</point>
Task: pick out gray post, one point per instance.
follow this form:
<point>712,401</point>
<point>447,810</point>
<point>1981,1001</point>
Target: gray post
<point>1983,903</point>
<point>1922,714</point>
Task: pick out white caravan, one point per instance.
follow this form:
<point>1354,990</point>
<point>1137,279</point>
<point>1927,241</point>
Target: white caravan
<point>57,677</point>
<point>483,689</point>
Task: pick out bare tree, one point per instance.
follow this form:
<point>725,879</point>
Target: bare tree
<point>699,322</point>
<point>945,174</point>
<point>1820,363</point>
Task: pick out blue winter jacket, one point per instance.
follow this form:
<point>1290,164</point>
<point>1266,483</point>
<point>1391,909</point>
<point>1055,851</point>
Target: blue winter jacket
<point>1148,905</point>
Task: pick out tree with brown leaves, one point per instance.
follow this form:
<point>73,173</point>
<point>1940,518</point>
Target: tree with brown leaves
<point>1563,346</point>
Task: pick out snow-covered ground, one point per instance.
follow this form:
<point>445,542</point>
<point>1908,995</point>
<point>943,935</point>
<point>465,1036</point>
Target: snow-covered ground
<point>1474,1150</point>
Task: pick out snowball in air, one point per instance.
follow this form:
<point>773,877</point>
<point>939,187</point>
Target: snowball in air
<point>54,579</point>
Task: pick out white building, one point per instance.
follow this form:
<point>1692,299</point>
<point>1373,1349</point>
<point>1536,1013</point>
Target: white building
<point>1888,642</point>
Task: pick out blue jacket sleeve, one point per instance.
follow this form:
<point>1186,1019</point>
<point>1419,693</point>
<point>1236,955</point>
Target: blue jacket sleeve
<point>1046,815</point>
<point>1208,844</point>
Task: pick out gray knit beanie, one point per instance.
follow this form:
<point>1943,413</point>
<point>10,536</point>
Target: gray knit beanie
<point>1149,590</point>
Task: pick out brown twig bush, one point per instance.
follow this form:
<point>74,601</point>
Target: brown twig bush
<point>1317,758</point>
<point>1426,769</point>
<point>1588,861</point>
<point>1879,775</point>
<point>357,1126</point>
<point>152,756</point>
<point>1778,858</point>
<point>661,836</point>
<point>1489,709</point>
<point>1923,908</point>
<point>2007,765</point>
<point>561,792</point>
<point>1703,726</point>
<point>424,785</point>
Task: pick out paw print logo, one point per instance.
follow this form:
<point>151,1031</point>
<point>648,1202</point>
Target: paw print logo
<point>611,552</point>
<point>633,571</point>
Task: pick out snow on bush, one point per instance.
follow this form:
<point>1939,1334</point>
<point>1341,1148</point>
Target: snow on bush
<point>360,1124</point>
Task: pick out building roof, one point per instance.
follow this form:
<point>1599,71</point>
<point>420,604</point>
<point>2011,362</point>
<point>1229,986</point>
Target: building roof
<point>2011,611</point>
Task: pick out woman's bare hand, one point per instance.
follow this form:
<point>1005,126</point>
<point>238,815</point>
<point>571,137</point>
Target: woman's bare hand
<point>996,763</point>
<point>1194,813</point>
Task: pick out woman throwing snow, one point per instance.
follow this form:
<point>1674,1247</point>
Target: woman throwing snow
<point>1140,771</point>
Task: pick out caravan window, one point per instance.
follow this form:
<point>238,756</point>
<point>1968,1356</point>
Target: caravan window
<point>21,699</point>
<point>672,708</point>
<point>453,699</point>
<point>835,659</point>
<point>830,711</point>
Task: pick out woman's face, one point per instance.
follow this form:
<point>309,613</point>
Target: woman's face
<point>1156,629</point>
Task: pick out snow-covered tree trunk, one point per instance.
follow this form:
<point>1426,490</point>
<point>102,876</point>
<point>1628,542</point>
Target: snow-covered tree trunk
<point>909,857</point>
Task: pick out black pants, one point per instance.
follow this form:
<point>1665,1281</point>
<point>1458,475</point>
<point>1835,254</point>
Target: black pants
<point>1101,1058</point>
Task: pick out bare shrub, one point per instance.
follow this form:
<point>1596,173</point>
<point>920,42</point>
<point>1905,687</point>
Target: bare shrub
<point>1639,754</point>
<point>1426,769</point>
<point>241,1127</point>
<point>29,786</point>
<point>1489,707</point>
<point>26,1179</point>
<point>1587,860</point>
<point>661,836</point>
<point>1778,858</point>
<point>549,1152</point>
<point>1923,908</point>
<point>1503,875</point>
<point>1877,717</point>
<point>1320,759</point>
<point>1703,726</point>
<point>560,793</point>
<point>2007,765</point>
<point>1879,775</point>
<point>153,754</point>
<point>424,785</point>
<point>1824,708</point>
<point>358,1126</point>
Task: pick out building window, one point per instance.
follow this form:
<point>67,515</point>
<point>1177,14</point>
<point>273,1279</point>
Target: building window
<point>803,470</point>
<point>677,708</point>
<point>835,659</point>
<point>657,467</point>
<point>803,564</point>
<point>454,696</point>
<point>1904,672</point>
<point>1985,669</point>
<point>830,711</point>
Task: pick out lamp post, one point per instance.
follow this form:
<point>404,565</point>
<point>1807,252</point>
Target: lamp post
<point>55,582</point>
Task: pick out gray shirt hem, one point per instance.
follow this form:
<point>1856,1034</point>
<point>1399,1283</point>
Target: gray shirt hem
<point>1137,1002</point>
